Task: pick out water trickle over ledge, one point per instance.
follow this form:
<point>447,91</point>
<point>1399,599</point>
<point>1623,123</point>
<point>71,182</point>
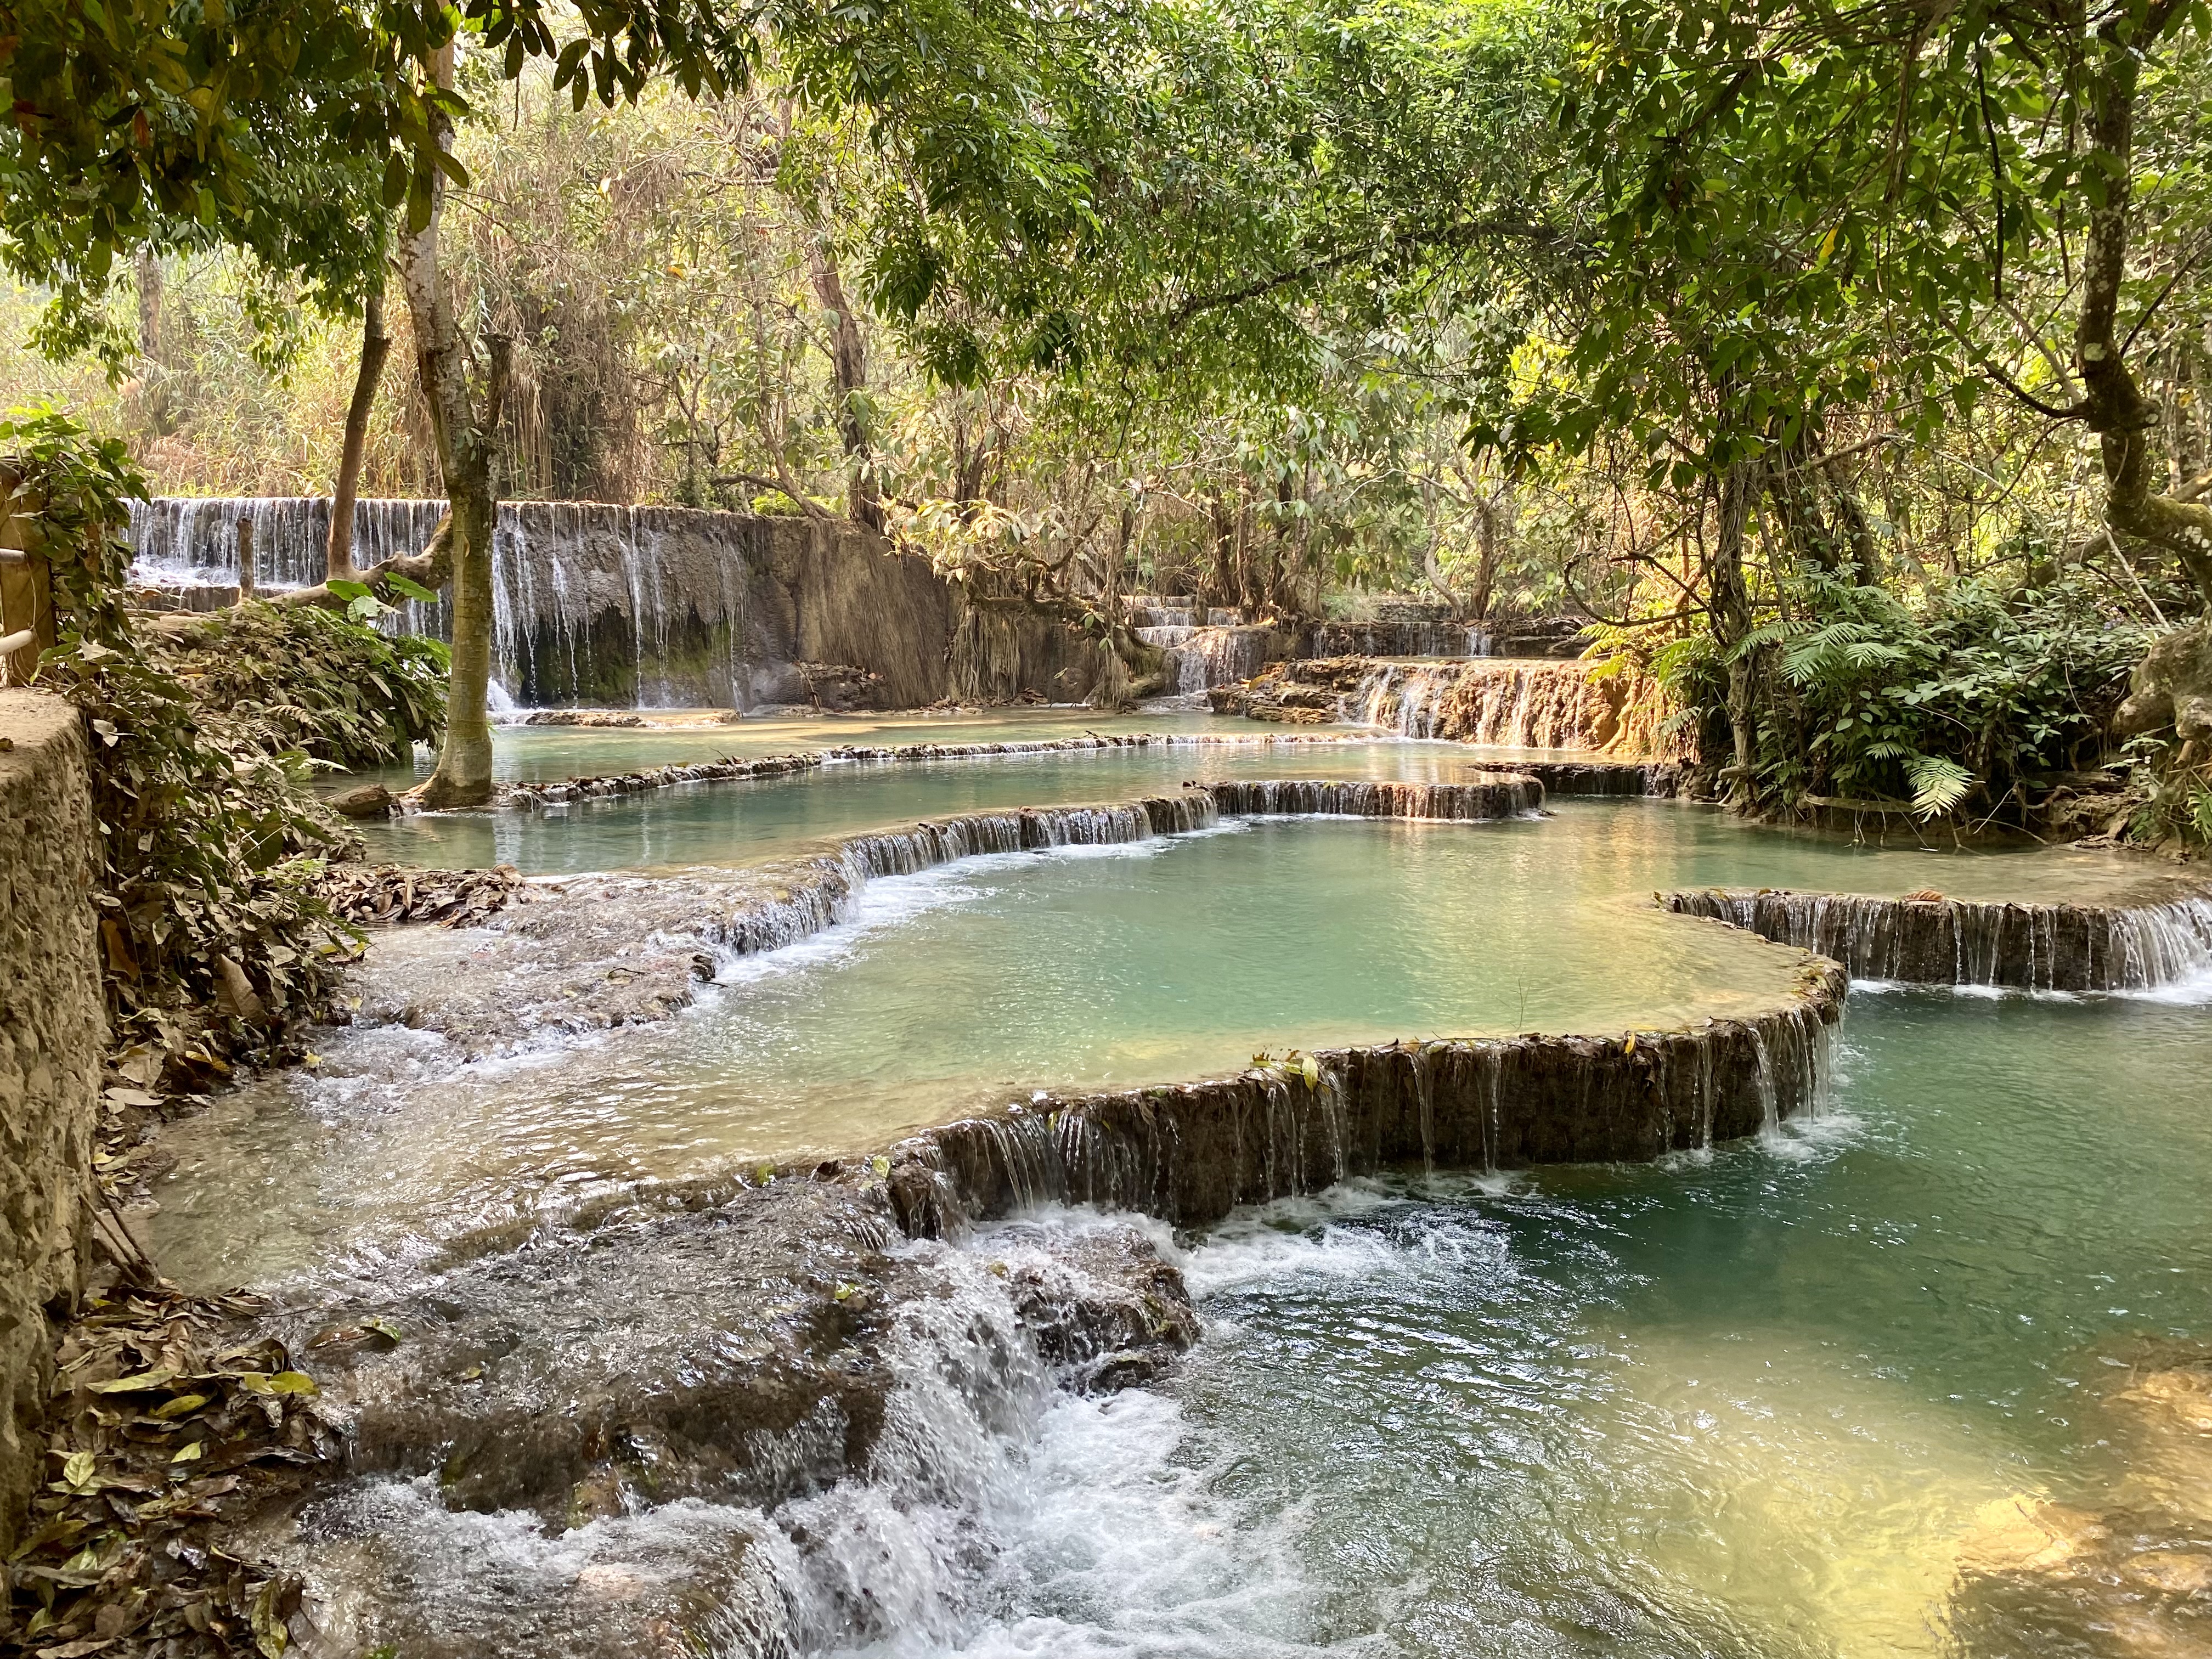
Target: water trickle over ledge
<point>1932,940</point>
<point>1192,1153</point>
<point>593,952</point>
<point>1519,703</point>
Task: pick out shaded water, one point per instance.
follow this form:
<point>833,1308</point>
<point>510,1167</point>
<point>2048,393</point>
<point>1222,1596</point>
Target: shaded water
<point>1766,1404</point>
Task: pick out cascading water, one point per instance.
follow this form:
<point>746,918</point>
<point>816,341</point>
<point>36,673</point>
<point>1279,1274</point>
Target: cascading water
<point>604,604</point>
<point>187,542</point>
<point>2035,947</point>
<point>1507,703</point>
<point>1401,639</point>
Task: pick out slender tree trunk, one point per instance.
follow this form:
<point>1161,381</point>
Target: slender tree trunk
<point>2115,408</point>
<point>1488,544</point>
<point>1731,620</point>
<point>462,777</point>
<point>375,346</point>
<point>848,363</point>
<point>1223,584</point>
<point>147,278</point>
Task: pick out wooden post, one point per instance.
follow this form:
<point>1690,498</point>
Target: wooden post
<point>245,558</point>
<point>26,600</point>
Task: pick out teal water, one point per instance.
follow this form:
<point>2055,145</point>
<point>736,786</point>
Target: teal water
<point>1770,1404</point>
<point>969,987</point>
<point>1661,844</point>
<point>1802,1398</point>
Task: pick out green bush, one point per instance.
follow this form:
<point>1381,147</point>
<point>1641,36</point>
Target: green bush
<point>320,683</point>
<point>1956,702</point>
<point>209,845</point>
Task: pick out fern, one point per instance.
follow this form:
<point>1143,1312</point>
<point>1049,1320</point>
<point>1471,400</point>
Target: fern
<point>1938,784</point>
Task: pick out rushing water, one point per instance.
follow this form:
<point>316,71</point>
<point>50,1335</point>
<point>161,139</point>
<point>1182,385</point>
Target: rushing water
<point>1834,1391</point>
<point>1767,1404</point>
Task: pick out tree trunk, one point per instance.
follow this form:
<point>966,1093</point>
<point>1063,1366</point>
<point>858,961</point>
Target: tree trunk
<point>462,777</point>
<point>147,277</point>
<point>1488,545</point>
<point>2115,408</point>
<point>848,363</point>
<point>1731,623</point>
<point>1223,587</point>
<point>375,346</point>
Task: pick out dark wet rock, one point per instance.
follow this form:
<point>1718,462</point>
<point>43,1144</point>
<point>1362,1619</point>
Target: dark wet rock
<point>1104,1310</point>
<point>2159,933</point>
<point>733,1352</point>
<point>369,800</point>
<point>742,1349</point>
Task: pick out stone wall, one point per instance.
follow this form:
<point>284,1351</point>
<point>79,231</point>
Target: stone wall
<point>51,1031</point>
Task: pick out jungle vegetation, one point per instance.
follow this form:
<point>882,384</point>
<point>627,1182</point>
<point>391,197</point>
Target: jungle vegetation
<point>1845,364</point>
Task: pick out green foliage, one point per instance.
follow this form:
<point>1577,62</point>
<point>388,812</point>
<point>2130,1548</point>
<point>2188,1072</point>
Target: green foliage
<point>326,686</point>
<point>208,845</point>
<point>2174,789</point>
<point>1958,701</point>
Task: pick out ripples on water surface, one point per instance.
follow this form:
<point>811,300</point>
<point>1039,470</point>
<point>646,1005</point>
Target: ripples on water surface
<point>1766,1403</point>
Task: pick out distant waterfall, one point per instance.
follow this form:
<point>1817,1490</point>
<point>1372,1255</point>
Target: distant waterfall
<point>609,606</point>
<point>192,541</point>
<point>1513,703</point>
<point>1400,639</point>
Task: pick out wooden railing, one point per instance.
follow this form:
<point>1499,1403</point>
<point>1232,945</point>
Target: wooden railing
<point>27,602</point>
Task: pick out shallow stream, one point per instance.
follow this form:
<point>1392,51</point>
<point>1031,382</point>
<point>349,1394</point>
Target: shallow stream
<point>1792,1396</point>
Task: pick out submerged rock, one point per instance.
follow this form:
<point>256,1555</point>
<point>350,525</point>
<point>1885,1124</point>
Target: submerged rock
<point>2125,1572</point>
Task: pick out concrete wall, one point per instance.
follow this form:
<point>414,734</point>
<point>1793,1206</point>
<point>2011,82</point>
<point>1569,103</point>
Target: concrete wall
<point>52,1029</point>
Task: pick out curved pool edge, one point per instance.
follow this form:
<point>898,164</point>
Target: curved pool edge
<point>1927,939</point>
<point>1191,1153</point>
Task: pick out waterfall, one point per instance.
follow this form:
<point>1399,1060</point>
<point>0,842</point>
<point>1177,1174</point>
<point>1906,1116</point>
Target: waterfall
<point>1501,795</point>
<point>2034,947</point>
<point>184,542</point>
<point>1517,704</point>
<point>1401,639</point>
<point>1199,658</point>
<point>609,605</point>
<point>1192,1152</point>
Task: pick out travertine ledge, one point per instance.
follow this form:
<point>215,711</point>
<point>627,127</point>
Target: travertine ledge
<point>1930,940</point>
<point>1191,1153</point>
